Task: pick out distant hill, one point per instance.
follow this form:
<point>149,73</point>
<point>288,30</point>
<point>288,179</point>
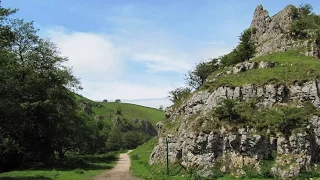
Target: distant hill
<point>107,110</point>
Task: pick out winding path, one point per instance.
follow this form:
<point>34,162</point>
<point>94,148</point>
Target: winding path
<point>120,171</point>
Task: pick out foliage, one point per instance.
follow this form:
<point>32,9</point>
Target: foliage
<point>309,174</point>
<point>114,141</point>
<point>38,109</point>
<point>283,119</point>
<point>117,101</point>
<point>244,51</point>
<point>230,58</point>
<point>226,109</point>
<point>179,94</point>
<point>198,76</point>
<point>304,21</point>
<point>246,48</point>
<point>81,167</point>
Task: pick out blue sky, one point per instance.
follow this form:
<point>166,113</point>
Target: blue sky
<point>139,50</point>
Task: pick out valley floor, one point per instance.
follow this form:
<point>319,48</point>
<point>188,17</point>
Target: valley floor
<point>120,171</point>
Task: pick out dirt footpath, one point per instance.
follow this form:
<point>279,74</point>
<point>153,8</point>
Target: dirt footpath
<point>120,171</point>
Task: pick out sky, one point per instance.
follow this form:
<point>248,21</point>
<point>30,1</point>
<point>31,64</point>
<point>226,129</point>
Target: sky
<point>139,50</point>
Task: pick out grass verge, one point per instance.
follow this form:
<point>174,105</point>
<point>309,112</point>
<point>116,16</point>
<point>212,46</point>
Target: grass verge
<point>140,167</point>
<point>72,167</point>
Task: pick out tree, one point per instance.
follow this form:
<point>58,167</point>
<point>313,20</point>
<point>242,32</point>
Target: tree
<point>230,59</point>
<point>244,51</point>
<point>179,94</point>
<point>131,140</point>
<point>246,48</point>
<point>39,112</point>
<point>117,101</point>
<point>161,107</point>
<point>305,9</point>
<point>114,141</point>
<point>105,100</point>
<point>198,76</point>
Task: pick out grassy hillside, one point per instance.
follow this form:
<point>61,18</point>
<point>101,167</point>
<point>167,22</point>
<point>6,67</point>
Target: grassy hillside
<point>290,66</point>
<point>129,111</point>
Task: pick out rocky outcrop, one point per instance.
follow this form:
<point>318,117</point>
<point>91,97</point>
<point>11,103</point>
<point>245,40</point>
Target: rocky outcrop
<point>246,147</point>
<point>268,95</point>
<point>271,27</point>
<point>148,128</point>
<point>234,150</point>
<point>271,34</point>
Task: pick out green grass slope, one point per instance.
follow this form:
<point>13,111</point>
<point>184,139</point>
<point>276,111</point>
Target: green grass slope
<point>76,167</point>
<point>291,66</point>
<point>129,111</point>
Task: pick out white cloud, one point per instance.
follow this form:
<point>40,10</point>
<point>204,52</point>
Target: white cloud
<point>90,54</point>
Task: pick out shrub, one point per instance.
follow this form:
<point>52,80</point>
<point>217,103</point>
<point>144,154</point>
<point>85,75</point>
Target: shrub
<point>304,20</point>
<point>226,110</point>
<point>179,94</point>
<point>244,51</point>
<point>198,76</point>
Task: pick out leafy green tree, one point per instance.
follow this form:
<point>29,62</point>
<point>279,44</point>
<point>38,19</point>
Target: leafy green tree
<point>244,51</point>
<point>179,94</point>
<point>114,141</point>
<point>131,140</point>
<point>198,76</point>
<point>305,21</point>
<point>246,48</point>
<point>305,9</point>
<point>39,113</point>
<point>230,59</point>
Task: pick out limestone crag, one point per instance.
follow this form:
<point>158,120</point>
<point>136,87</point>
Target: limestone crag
<point>234,150</point>
<point>272,33</point>
<point>246,146</point>
<point>268,95</point>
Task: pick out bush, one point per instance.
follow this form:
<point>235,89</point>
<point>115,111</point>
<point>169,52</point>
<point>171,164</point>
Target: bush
<point>244,51</point>
<point>304,20</point>
<point>227,110</point>
<point>179,94</point>
<point>197,77</point>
